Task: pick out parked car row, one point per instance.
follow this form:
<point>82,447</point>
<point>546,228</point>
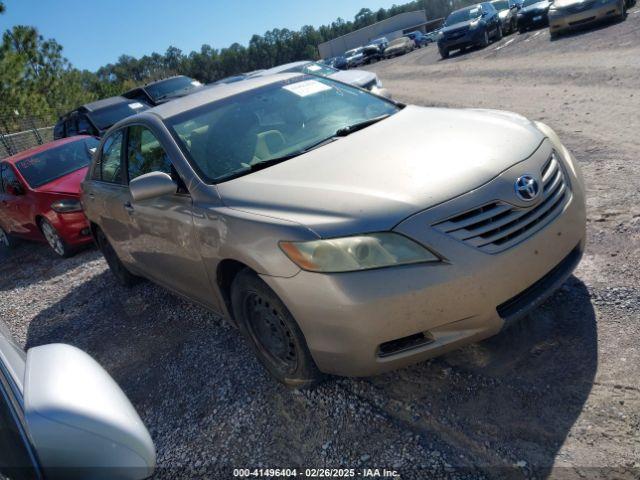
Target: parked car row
<point>380,48</point>
<point>480,24</point>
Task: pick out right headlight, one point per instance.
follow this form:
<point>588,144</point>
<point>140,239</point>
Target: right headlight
<point>361,252</point>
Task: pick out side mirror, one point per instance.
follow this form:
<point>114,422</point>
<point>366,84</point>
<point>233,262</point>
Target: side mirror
<point>151,185</point>
<point>15,189</point>
<point>80,422</point>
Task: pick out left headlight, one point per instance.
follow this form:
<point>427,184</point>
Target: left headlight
<point>362,252</point>
<point>66,206</point>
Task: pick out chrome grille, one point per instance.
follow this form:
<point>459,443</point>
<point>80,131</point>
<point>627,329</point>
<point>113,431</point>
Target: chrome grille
<point>496,226</point>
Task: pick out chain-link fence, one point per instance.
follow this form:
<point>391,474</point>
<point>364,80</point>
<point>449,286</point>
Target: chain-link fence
<point>19,132</point>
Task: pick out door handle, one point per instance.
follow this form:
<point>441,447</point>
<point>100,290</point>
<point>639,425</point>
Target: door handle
<point>128,207</point>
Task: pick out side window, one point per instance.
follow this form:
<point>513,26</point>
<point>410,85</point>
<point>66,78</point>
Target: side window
<point>84,126</point>
<point>72,124</point>
<point>3,167</point>
<point>111,168</point>
<point>8,178</point>
<point>145,154</point>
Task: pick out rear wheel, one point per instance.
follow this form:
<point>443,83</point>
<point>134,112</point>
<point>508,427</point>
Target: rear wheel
<point>272,331</point>
<point>522,30</point>
<point>55,241</point>
<point>123,276</point>
<point>6,240</point>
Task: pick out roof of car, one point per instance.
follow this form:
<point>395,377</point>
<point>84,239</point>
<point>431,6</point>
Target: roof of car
<point>279,68</point>
<point>218,92</point>
<point>105,102</point>
<point>43,148</point>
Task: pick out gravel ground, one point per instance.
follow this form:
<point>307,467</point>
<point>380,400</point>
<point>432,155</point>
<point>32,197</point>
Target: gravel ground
<point>558,395</point>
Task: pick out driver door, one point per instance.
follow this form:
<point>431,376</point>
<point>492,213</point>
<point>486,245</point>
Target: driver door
<point>163,243</point>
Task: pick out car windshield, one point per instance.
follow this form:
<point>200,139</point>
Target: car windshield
<point>227,138</point>
<point>166,88</point>
<point>501,4</point>
<point>351,53</point>
<point>378,41</point>
<point>314,68</point>
<point>55,163</point>
<point>463,15</point>
<point>526,3</point>
<point>106,117</point>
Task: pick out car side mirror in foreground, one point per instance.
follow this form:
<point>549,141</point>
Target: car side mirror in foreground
<point>80,422</point>
<point>151,185</point>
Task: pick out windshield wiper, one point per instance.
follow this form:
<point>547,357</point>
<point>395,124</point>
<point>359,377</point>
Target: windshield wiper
<point>349,129</point>
<point>272,161</point>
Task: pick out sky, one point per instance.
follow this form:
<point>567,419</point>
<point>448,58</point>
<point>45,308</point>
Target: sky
<point>94,33</point>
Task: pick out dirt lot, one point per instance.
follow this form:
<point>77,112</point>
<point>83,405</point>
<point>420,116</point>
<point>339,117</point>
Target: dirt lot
<point>559,394</point>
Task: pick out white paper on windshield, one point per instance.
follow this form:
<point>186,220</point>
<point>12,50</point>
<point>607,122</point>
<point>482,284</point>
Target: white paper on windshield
<point>135,105</point>
<point>313,68</point>
<point>196,83</point>
<point>307,87</point>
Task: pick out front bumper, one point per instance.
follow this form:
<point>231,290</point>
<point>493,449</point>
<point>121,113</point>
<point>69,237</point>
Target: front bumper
<point>536,19</point>
<point>73,227</point>
<point>470,38</point>
<point>565,19</point>
<point>347,317</point>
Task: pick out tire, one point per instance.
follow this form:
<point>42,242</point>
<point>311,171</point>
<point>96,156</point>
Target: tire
<point>499,33</point>
<point>55,241</point>
<point>123,276</point>
<point>623,10</point>
<point>522,30</point>
<point>444,53</point>
<point>6,240</point>
<point>485,40</point>
<point>272,332</point>
<point>514,25</point>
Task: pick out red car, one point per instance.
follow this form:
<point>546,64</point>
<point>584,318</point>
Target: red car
<point>40,194</point>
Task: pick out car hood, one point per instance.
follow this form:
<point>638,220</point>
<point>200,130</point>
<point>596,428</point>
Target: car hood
<point>536,6</point>
<point>374,178</point>
<point>397,46</point>
<point>567,3</point>
<point>69,184</point>
<point>354,77</point>
<point>456,26</point>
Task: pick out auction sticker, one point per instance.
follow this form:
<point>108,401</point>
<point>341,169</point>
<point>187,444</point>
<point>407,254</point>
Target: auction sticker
<point>307,87</point>
<point>135,105</point>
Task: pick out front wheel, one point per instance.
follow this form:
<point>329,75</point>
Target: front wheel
<point>272,332</point>
<point>55,241</point>
<point>485,40</point>
<point>444,53</point>
<point>623,10</point>
<point>499,33</point>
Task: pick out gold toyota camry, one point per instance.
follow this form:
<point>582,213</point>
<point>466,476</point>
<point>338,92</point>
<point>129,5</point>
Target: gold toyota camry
<point>341,232</point>
<point>565,15</point>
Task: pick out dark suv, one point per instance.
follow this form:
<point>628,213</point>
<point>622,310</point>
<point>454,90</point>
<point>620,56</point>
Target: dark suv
<point>95,118</point>
<point>471,26</point>
<point>160,91</point>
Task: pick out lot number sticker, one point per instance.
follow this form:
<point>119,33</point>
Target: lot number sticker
<point>307,87</point>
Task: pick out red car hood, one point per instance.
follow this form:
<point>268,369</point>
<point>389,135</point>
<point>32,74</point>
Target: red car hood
<point>69,184</point>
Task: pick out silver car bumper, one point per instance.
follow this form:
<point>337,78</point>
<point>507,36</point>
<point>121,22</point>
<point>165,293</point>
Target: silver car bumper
<point>565,19</point>
<point>363,323</point>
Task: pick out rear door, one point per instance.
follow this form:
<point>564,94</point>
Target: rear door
<point>163,242</point>
<point>106,195</point>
